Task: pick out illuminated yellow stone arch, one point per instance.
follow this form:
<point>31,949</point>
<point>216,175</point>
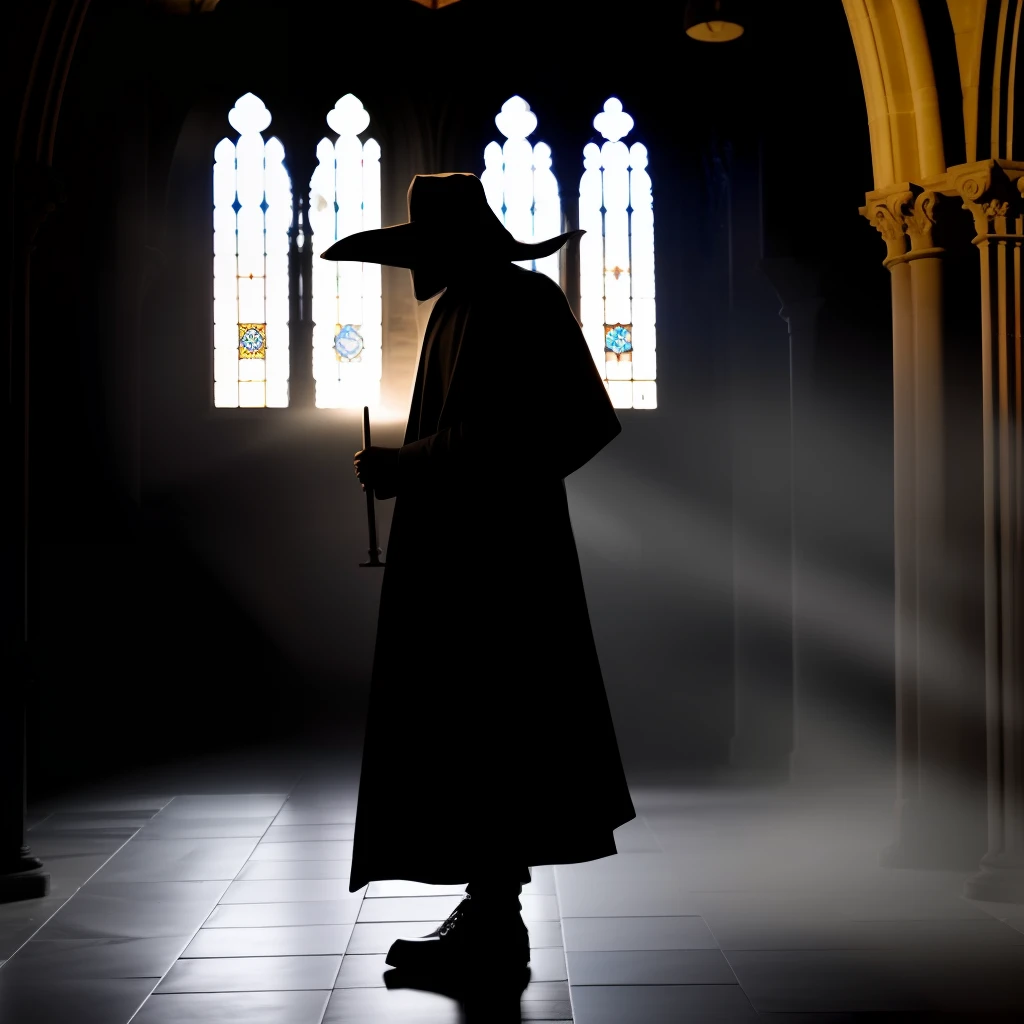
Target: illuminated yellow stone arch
<point>899,84</point>
<point>899,89</point>
<point>968,17</point>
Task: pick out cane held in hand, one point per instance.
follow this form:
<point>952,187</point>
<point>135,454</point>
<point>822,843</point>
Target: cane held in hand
<point>371,518</point>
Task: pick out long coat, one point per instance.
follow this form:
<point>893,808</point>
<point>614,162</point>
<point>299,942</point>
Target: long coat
<point>489,739</point>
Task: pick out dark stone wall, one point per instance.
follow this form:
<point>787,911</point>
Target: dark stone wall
<point>195,579</point>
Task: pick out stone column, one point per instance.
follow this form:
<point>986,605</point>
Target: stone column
<point>49,33</point>
<point>993,192</point>
<point>36,194</point>
<point>930,830</point>
<point>936,689</point>
<point>797,286</point>
<point>404,317</point>
<point>301,386</point>
<point>886,212</point>
<point>571,256</point>
<point>762,462</point>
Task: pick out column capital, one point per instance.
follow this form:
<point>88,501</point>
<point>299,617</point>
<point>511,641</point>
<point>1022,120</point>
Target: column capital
<point>902,213</point>
<point>921,221</point>
<point>886,210</point>
<point>993,192</point>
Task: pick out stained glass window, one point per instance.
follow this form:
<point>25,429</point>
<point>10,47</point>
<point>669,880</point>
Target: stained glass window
<point>252,211</point>
<point>617,261</point>
<point>344,197</point>
<point>520,185</point>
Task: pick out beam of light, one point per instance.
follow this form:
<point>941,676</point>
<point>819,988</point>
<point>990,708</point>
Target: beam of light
<point>694,548</point>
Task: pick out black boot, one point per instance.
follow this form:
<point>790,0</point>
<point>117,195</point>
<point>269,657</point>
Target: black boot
<point>484,930</point>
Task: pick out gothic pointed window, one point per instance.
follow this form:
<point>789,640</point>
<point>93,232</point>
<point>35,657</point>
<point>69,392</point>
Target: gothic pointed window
<point>617,261</point>
<point>252,212</point>
<point>344,197</point>
<point>520,185</point>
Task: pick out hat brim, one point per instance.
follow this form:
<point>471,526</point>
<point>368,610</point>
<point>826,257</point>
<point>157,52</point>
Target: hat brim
<point>409,245</point>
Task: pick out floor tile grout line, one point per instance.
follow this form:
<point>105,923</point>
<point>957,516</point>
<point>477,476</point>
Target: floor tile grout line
<point>79,887</point>
<point>217,904</point>
<point>264,903</point>
<point>661,984</point>
<point>77,890</point>
<point>269,927</point>
<point>269,956</point>
<point>607,917</point>
<point>565,952</point>
<point>647,825</point>
<point>237,991</point>
<point>341,962</point>
<point>349,943</point>
<point>113,854</point>
<point>149,995</point>
<point>41,821</point>
<point>732,970</point>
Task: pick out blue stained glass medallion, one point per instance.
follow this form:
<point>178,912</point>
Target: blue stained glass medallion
<point>618,340</point>
<point>252,341</point>
<point>348,343</point>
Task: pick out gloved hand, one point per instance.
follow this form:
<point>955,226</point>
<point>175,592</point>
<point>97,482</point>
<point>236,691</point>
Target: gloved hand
<point>377,467</point>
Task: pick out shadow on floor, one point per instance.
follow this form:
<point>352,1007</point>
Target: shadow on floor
<point>489,998</point>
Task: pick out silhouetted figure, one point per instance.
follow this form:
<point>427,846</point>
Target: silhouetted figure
<point>489,743</point>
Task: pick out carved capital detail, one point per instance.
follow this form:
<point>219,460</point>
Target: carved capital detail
<point>992,192</point>
<point>974,183</point>
<point>921,219</point>
<point>887,213</point>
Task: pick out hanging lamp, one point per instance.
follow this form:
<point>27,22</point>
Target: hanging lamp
<point>712,21</point>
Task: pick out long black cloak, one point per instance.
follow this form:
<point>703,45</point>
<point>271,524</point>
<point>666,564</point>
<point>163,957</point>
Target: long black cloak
<point>489,738</point>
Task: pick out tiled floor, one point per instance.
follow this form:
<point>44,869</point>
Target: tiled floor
<point>223,897</point>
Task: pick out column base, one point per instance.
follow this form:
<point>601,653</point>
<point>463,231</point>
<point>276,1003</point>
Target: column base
<point>1000,880</point>
<point>24,885</point>
<point>18,865</point>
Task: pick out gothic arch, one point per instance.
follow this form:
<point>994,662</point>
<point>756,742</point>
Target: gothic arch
<point>898,78</point>
<point>899,89</point>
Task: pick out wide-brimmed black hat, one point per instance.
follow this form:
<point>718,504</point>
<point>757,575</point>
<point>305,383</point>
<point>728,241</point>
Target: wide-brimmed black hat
<point>448,213</point>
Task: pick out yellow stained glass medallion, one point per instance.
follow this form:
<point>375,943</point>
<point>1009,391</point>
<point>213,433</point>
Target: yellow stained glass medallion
<point>252,341</point>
